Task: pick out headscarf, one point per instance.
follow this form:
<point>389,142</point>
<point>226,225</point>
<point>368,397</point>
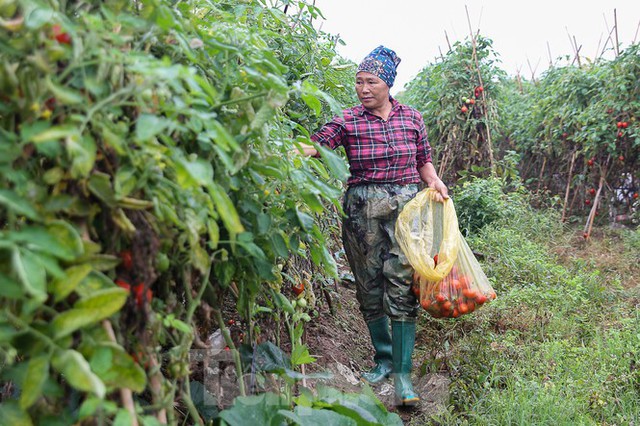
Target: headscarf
<point>381,62</point>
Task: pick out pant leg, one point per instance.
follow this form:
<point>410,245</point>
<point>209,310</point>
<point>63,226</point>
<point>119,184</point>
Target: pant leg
<point>399,301</point>
<point>365,242</point>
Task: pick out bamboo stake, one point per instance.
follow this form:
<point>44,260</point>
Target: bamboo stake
<point>566,193</point>
<point>125,394</point>
<point>519,79</point>
<point>592,214</point>
<point>577,51</point>
<point>597,48</point>
<point>606,23</point>
<point>443,163</point>
<point>607,41</point>
<point>571,42</point>
<point>484,98</point>
<point>446,36</point>
<point>533,70</point>
<point>594,208</point>
<point>544,163</point>
<point>549,52</point>
<point>615,25</point>
<point>636,34</point>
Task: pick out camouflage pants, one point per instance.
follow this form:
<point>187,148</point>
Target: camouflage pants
<point>382,273</point>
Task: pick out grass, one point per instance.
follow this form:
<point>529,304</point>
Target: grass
<point>560,345</point>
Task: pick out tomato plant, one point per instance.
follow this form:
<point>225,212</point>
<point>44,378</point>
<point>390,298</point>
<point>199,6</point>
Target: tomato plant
<point>455,107</point>
<point>163,127</point>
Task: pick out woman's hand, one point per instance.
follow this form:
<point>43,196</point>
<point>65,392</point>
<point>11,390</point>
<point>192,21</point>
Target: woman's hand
<point>307,150</point>
<point>430,177</point>
<point>443,191</point>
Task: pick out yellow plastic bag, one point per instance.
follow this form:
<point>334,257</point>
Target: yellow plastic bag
<point>426,227</point>
<point>448,279</point>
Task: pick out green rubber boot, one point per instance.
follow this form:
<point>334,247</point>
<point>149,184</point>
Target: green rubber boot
<point>404,338</point>
<point>381,339</point>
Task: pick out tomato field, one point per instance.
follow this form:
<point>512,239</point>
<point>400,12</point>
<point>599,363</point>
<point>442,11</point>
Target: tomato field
<point>149,198</point>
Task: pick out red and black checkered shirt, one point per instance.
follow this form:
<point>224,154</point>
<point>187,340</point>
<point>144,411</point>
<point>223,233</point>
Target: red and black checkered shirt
<point>379,151</point>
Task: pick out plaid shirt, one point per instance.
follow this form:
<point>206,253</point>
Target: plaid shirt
<point>379,151</point>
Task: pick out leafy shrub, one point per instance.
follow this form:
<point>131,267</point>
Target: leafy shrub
<point>480,202</point>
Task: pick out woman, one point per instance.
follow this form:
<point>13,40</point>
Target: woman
<point>389,156</point>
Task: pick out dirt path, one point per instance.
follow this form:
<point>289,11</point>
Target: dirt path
<point>342,344</point>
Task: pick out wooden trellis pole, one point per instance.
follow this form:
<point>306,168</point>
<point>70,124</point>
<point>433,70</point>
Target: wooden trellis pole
<point>533,70</point>
<point>592,214</point>
<point>544,163</point>
<point>615,25</point>
<point>566,192</point>
<point>596,200</point>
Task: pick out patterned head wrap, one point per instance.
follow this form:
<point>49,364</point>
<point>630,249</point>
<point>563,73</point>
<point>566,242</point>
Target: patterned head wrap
<point>381,62</point>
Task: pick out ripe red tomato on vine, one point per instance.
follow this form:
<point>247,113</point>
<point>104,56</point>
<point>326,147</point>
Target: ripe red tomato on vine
<point>127,259</point>
<point>61,36</point>
<point>141,294</point>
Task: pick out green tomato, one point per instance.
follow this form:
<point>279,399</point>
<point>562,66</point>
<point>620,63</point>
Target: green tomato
<point>162,262</point>
<point>302,302</point>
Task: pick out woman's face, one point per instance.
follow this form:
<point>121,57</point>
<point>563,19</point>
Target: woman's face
<point>371,90</point>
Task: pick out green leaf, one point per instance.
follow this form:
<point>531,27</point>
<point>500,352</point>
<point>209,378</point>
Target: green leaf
<point>17,204</point>
<point>313,202</point>
<point>100,186</point>
<point>199,257</point>
<point>76,370</point>
<point>123,418</point>
<point>30,273</point>
<point>103,262</point>
<point>199,171</point>
<point>117,369</point>
<point>336,164</point>
<point>7,332</point>
<point>89,310</point>
<point>91,405</point>
<point>300,355</point>
<point>312,102</point>
<point>54,133</point>
<point>39,239</point>
<point>255,410</point>
<point>10,288</point>
<point>329,262</point>
<point>94,282</point>
<point>12,414</point>
<point>67,236</point>
<point>283,303</point>
<point>36,376</point>
<point>37,15</point>
<point>364,407</point>
<point>264,223</point>
<point>226,209</point>
<point>149,126</point>
<point>82,151</point>
<point>206,403</point>
<point>307,416</point>
<point>279,245</point>
<point>64,94</point>
<point>222,137</point>
<point>306,222</point>
<point>62,287</point>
